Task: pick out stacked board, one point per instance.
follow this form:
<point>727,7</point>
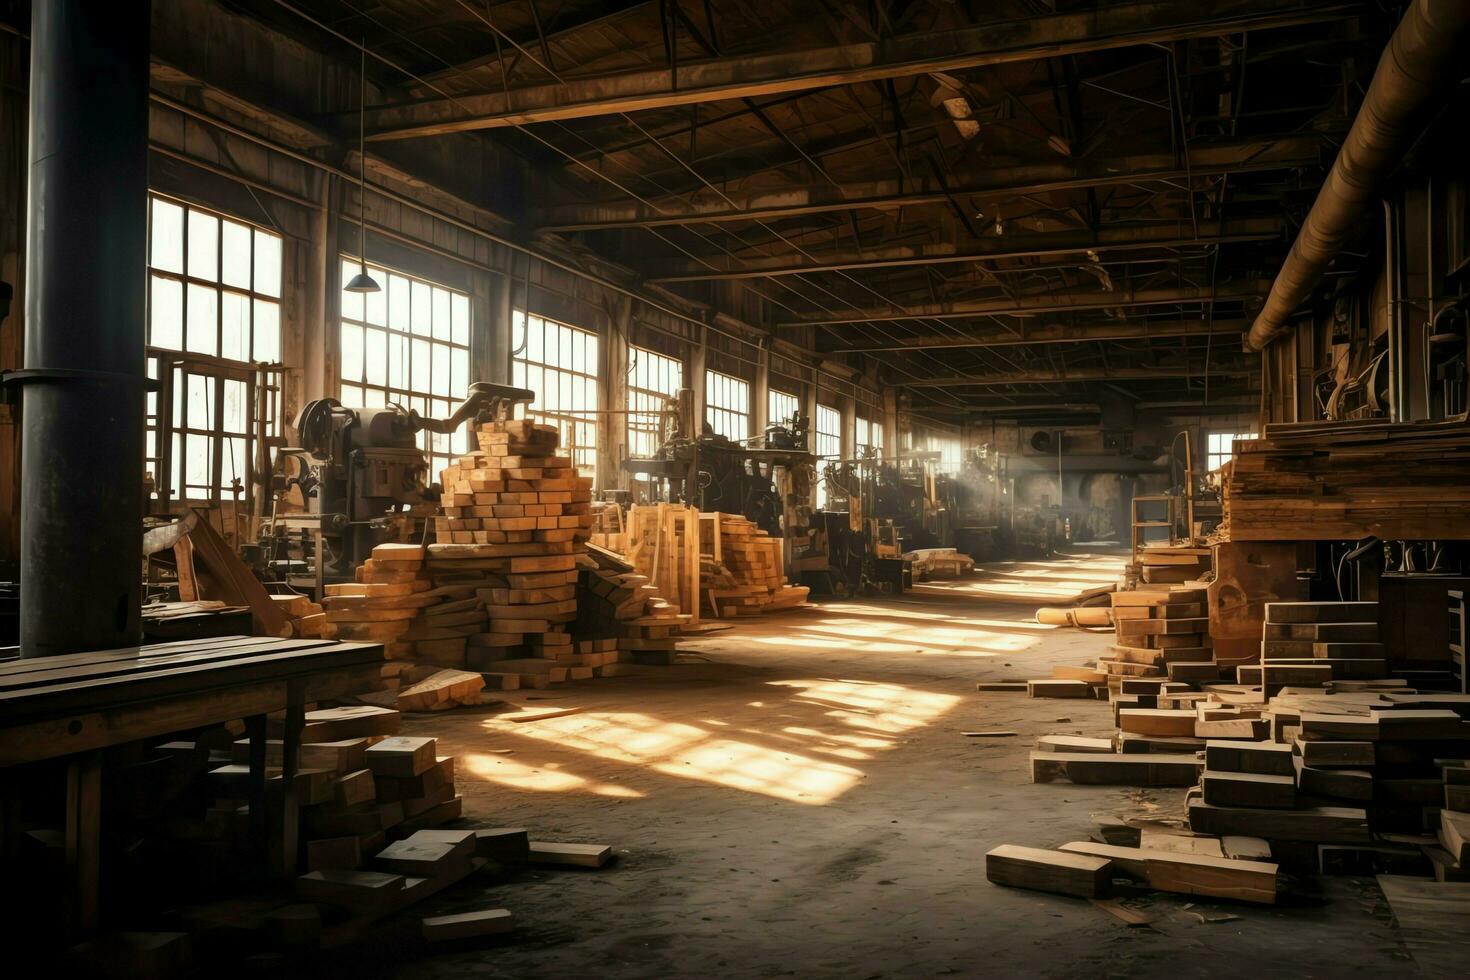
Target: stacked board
<point>308,619</point>
<point>623,619</point>
<point>515,519</point>
<point>1345,481</point>
<point>1163,564</point>
<point>743,573</point>
<point>1160,634</point>
<point>1307,644</point>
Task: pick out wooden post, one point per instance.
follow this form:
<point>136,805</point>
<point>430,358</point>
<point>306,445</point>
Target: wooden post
<point>255,730</point>
<point>84,840</point>
<point>290,759</point>
<point>691,561</point>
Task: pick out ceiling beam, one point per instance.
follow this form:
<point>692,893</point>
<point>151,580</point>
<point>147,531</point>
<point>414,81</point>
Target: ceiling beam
<point>1234,367</point>
<point>1252,289</point>
<point>1159,234</point>
<point>753,76</point>
<point>1057,333</point>
<point>1205,160</point>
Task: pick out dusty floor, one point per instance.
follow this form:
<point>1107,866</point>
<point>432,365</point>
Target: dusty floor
<point>796,800</point>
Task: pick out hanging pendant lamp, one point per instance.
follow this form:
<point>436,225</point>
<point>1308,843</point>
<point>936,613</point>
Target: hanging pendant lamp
<point>362,282</point>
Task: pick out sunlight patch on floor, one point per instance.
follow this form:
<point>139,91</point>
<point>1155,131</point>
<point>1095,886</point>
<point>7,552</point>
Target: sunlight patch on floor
<point>544,779</point>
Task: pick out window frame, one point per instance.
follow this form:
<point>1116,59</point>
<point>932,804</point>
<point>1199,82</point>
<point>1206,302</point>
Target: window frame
<point>439,448</point>
<point>644,404</point>
<point>822,440</point>
<point>1216,457</point>
<point>577,425</point>
<point>724,394</point>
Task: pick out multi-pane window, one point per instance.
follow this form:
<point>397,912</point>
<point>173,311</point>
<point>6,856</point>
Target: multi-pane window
<point>727,406</point>
<point>407,344</point>
<point>652,380</point>
<point>1221,447</point>
<point>828,445</point>
<point>869,435</point>
<point>559,363</point>
<point>781,406</point>
<point>214,310</point>
<point>948,448</point>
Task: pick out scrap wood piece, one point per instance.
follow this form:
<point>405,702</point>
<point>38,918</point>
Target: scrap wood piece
<point>567,854</point>
<point>1130,917</point>
<point>988,734</point>
<point>220,574</point>
<point>541,715</point>
<point>1189,874</point>
<point>1080,875</point>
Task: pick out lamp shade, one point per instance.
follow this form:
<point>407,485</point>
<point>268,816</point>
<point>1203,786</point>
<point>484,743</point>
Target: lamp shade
<point>362,283</point>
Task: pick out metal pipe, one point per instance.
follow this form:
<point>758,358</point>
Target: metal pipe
<point>1425,55</point>
<point>81,491</point>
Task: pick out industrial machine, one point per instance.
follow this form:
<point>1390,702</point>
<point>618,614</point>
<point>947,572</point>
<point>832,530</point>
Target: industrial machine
<point>848,549</point>
<point>359,470</point>
<point>768,485</point>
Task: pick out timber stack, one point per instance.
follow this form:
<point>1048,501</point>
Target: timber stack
<point>1405,480</point>
<point>742,573</point>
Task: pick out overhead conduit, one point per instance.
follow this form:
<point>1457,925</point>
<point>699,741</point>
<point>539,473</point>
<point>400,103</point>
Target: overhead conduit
<point>1426,54</point>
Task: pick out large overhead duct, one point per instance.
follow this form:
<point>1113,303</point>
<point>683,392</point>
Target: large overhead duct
<point>1425,55</point>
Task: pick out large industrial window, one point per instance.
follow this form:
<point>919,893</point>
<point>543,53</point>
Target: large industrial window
<point>727,406</point>
<point>780,406</point>
<point>1221,447</point>
<point>408,344</point>
<point>559,363</point>
<point>869,436</point>
<point>652,380</point>
<point>828,445</point>
<point>948,448</point>
<point>214,311</point>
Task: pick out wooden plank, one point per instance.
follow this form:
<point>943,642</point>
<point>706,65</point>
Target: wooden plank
<point>564,854</point>
<point>1189,874</point>
<point>1097,769</point>
<point>1321,825</point>
<point>1266,758</point>
<point>1079,875</point>
<point>466,925</point>
<point>1249,789</point>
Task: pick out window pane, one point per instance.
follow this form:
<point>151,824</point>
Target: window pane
<point>235,254</point>
<point>442,328</point>
<point>233,464</point>
<point>267,263</point>
<point>459,372</point>
<point>235,415</point>
<point>198,463</point>
<point>398,296</point>
<point>267,332</point>
<point>351,395</point>
<point>459,313</point>
<point>441,370</point>
<point>375,356</point>
<point>200,399</point>
<point>419,364</point>
<point>377,303</point>
<point>234,326</point>
<point>166,234</point>
<point>421,309</point>
<point>398,361</point>
<point>202,334</point>
<point>166,313</point>
<point>203,245</point>
<point>352,350</point>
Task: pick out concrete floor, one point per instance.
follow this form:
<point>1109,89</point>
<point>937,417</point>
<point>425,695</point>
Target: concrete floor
<point>796,800</point>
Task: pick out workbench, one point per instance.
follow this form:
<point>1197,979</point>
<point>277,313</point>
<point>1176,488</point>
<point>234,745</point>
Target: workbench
<point>74,706</point>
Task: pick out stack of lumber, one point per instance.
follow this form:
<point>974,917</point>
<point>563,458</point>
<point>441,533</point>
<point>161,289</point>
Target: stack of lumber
<point>1165,564</point>
<point>308,619</point>
<point>742,572</point>
<point>515,520</point>
<point>622,618</point>
<point>938,563</point>
<point>1307,644</point>
<point>1347,480</point>
<point>1160,633</point>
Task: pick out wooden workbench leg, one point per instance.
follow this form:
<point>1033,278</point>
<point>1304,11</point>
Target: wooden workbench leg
<point>290,763</point>
<point>255,729</point>
<point>83,840</point>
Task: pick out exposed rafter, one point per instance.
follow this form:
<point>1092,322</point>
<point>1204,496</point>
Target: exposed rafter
<point>1206,160</point>
<point>1056,333</point>
<point>1046,303</point>
<point>1237,366</point>
<point>720,79</point>
<point>1163,234</point>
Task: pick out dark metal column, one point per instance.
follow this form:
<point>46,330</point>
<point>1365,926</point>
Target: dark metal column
<point>82,413</point>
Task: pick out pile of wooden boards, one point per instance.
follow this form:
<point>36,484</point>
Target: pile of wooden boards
<point>308,619</point>
<point>622,618</point>
<point>742,571</point>
<point>1167,564</point>
<point>1347,480</point>
<point>938,563</point>
<point>1160,633</point>
<point>1307,644</point>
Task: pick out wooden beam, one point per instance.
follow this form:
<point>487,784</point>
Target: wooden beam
<point>1045,303</point>
<point>1162,234</point>
<point>1221,368</point>
<point>1123,25</point>
<point>1057,333</point>
<point>1240,156</point>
